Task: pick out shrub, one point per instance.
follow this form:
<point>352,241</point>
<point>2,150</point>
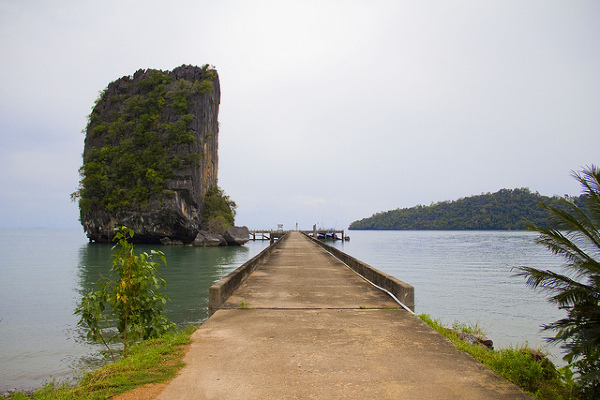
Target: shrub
<point>525,367</point>
<point>133,300</point>
<point>219,210</point>
<point>201,87</point>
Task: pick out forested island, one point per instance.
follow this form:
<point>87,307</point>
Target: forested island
<point>507,209</point>
<point>150,161</point>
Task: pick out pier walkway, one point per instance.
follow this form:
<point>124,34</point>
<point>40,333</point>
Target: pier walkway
<point>305,326</point>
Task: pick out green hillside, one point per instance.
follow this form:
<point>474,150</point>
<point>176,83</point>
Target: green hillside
<point>504,210</point>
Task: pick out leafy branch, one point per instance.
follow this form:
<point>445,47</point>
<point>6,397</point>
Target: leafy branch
<point>132,301</point>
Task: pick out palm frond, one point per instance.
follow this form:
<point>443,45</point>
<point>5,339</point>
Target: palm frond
<point>590,180</point>
<point>573,220</point>
<point>574,234</point>
<point>560,244</point>
<point>567,291</point>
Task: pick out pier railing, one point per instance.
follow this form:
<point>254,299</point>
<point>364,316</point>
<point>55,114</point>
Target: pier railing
<point>402,291</point>
<point>271,234</point>
<point>221,290</point>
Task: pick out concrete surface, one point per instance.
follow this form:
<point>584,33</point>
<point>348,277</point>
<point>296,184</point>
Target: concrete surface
<point>316,330</point>
<point>402,291</point>
<point>220,291</point>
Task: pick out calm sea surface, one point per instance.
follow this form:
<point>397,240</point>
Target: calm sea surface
<point>458,276</point>
<point>45,272</point>
<point>466,277</point>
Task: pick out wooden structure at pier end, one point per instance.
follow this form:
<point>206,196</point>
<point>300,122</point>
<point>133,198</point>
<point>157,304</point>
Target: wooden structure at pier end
<point>317,233</point>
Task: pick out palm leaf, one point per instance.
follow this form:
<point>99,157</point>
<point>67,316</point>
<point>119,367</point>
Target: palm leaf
<point>574,234</point>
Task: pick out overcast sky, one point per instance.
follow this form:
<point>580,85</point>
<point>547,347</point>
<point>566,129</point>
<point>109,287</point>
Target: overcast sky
<point>330,110</point>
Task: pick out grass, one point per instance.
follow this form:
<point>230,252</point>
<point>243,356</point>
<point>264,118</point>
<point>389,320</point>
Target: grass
<point>151,361</point>
<point>158,360</point>
<point>525,367</point>
<point>244,306</point>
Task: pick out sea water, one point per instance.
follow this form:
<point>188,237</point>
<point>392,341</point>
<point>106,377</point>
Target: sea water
<point>463,277</point>
<point>468,277</point>
<point>45,272</point>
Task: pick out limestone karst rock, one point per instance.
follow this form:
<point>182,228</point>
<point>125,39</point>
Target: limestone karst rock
<point>237,235</point>
<point>208,239</point>
<point>150,155</point>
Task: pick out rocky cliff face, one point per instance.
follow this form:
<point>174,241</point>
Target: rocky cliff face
<point>150,155</point>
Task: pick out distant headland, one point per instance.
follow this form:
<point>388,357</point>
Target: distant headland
<point>507,209</point>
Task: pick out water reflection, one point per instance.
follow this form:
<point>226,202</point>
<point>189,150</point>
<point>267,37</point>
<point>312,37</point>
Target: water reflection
<point>190,271</point>
<point>45,272</point>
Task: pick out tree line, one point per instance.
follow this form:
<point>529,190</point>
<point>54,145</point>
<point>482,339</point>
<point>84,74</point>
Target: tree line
<point>507,209</point>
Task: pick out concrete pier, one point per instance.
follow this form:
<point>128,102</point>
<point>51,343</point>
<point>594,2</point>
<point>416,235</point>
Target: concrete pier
<point>303,325</point>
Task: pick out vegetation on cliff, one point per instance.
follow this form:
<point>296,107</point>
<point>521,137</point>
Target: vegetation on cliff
<point>151,155</point>
<point>219,211</point>
<point>504,210</point>
<point>145,140</point>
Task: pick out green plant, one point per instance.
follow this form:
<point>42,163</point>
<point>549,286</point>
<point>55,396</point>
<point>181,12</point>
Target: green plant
<point>244,306</point>
<point>152,361</point>
<point>133,300</point>
<point>147,127</point>
<point>180,101</point>
<point>574,234</point>
<point>469,329</point>
<point>204,86</point>
<point>219,210</point>
<point>525,367</point>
